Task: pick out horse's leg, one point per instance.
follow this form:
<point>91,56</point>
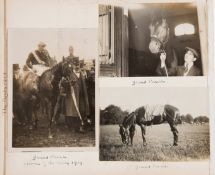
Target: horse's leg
<point>50,135</point>
<point>52,104</point>
<point>56,113</point>
<point>29,113</point>
<point>143,130</point>
<point>174,131</point>
<point>34,119</point>
<point>131,133</point>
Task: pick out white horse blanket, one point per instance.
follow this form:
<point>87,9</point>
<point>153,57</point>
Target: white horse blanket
<point>39,69</point>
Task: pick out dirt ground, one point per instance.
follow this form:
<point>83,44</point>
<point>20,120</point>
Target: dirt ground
<point>63,136</point>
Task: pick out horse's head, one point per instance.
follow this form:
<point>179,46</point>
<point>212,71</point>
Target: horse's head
<point>67,66</point>
<point>159,32</point>
<point>124,134</point>
<point>30,82</point>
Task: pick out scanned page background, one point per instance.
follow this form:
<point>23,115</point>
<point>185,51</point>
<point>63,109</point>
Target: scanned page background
<point>80,14</point>
<point>1,87</point>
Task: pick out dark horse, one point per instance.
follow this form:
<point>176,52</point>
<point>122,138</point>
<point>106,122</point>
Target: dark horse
<point>159,32</point>
<point>32,91</point>
<point>127,129</point>
<point>49,88</point>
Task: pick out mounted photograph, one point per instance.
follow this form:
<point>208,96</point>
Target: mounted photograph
<point>154,124</point>
<point>52,87</point>
<point>152,39</point>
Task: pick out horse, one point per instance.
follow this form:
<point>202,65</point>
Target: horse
<point>34,91</point>
<point>159,33</point>
<point>127,128</point>
<point>49,89</point>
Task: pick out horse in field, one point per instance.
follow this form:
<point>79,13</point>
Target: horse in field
<point>139,117</point>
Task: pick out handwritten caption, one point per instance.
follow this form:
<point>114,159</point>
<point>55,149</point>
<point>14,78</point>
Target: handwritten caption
<point>145,82</point>
<point>52,160</point>
<point>5,94</point>
<point>152,166</point>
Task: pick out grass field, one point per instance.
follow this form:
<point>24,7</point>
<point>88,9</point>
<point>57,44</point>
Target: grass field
<point>194,144</point>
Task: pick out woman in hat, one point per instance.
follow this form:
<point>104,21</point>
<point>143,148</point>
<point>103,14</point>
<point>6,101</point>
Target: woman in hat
<point>188,69</point>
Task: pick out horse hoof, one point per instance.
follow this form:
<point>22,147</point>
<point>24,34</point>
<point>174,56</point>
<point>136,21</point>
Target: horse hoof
<point>175,144</point>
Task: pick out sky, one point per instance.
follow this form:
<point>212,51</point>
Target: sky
<point>23,41</point>
<point>188,100</point>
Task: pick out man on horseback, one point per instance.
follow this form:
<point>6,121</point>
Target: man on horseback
<point>71,53</point>
<point>39,60</point>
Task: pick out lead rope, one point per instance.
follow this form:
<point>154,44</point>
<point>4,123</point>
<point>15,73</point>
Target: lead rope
<point>75,103</point>
<point>163,51</point>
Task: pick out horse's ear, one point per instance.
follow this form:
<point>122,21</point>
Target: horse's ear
<point>63,59</point>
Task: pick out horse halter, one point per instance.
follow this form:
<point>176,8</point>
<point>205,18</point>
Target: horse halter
<point>159,32</point>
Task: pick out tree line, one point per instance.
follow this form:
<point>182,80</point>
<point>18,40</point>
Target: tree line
<point>114,115</point>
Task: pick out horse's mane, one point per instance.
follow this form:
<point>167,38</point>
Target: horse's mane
<point>51,77</point>
<point>52,69</point>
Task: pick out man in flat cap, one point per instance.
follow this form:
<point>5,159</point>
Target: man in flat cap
<point>39,56</point>
<point>188,69</point>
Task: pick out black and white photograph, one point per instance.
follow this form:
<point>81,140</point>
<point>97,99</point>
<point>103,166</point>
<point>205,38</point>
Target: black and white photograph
<point>151,39</point>
<point>154,124</point>
<point>53,87</point>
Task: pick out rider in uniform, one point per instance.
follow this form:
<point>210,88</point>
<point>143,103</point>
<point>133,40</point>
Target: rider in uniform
<point>39,56</point>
